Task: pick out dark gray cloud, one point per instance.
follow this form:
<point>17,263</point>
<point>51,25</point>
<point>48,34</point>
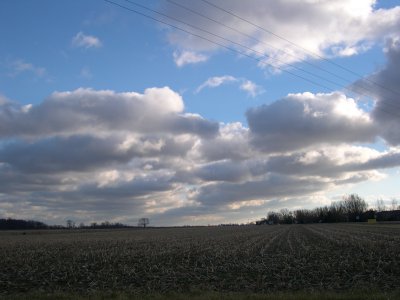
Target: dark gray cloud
<point>193,124</point>
<point>83,196</point>
<point>332,163</point>
<point>131,189</point>
<point>274,186</point>
<point>307,120</point>
<point>58,154</point>
<point>225,171</point>
<point>85,152</point>
<point>16,182</point>
<point>385,161</point>
<point>384,85</point>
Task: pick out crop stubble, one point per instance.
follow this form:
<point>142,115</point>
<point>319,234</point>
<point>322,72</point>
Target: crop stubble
<point>316,257</point>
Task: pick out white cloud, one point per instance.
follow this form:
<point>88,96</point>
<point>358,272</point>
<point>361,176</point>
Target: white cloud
<point>85,110</point>
<point>81,40</point>
<point>183,58</point>
<point>327,28</point>
<point>216,81</point>
<point>246,85</point>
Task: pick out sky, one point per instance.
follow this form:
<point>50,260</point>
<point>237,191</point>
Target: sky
<point>196,112</point>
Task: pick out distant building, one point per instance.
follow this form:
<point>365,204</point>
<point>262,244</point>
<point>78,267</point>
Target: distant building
<point>262,222</point>
<point>390,215</point>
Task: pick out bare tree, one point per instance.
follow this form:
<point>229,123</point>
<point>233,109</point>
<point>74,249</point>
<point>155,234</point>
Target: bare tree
<point>337,211</point>
<point>70,224</point>
<point>394,204</point>
<point>355,206</point>
<point>287,216</point>
<point>273,217</point>
<point>143,222</point>
<point>380,205</point>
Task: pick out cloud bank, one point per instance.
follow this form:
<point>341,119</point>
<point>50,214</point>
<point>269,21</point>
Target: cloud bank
<point>95,155</point>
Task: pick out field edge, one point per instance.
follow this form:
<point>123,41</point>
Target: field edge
<point>210,295</point>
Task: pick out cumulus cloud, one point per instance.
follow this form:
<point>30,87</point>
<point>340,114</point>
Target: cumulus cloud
<point>100,150</point>
<point>101,155</point>
<point>83,110</point>
<point>384,87</point>
<point>183,58</point>
<point>81,40</point>
<point>326,28</point>
<point>304,120</point>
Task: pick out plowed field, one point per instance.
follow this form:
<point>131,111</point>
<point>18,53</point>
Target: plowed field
<point>321,257</point>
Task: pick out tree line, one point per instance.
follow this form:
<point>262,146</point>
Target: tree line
<point>351,209</point>
<point>16,224</point>
<point>11,224</point>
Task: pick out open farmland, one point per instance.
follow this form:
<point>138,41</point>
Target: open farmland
<point>247,259</point>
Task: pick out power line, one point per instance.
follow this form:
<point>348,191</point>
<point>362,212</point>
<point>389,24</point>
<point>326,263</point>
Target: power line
<point>256,39</point>
<point>356,85</point>
<point>300,47</point>
<point>258,52</point>
<point>214,42</point>
<point>240,45</point>
<point>233,42</point>
<point>250,49</point>
<point>362,87</point>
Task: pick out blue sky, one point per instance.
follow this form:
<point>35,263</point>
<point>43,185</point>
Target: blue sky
<point>107,115</point>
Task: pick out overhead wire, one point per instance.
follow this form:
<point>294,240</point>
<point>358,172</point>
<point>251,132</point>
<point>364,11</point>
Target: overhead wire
<point>235,43</point>
<point>358,86</point>
<point>250,49</point>
<point>299,46</point>
<point>329,89</point>
<point>256,39</point>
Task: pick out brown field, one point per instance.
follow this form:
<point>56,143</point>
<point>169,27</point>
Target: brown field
<point>243,259</point>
